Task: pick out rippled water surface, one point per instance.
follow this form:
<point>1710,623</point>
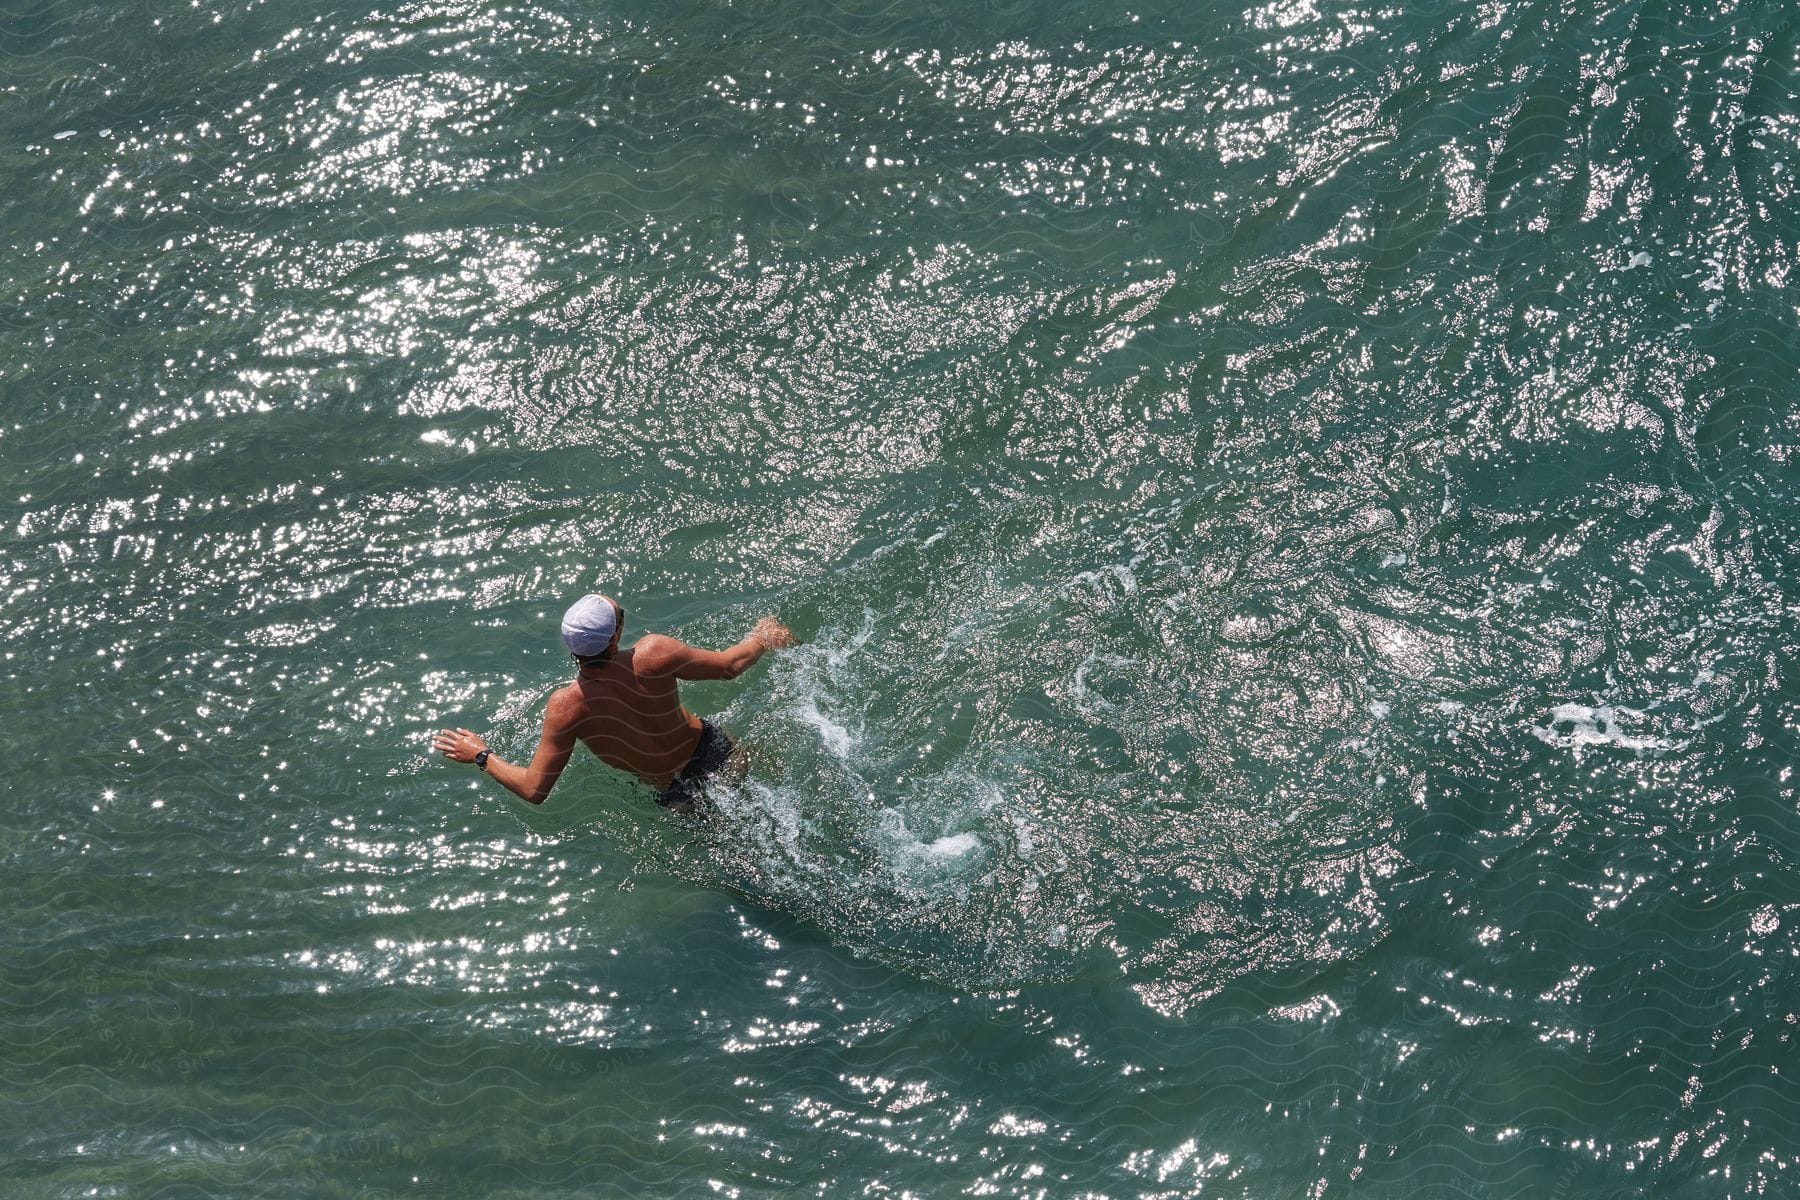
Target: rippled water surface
<point>1291,510</point>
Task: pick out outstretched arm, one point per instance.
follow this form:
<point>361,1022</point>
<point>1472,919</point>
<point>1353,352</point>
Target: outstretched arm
<point>529,783</point>
<point>660,655</point>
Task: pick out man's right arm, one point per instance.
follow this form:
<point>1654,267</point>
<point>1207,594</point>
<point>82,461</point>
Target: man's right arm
<point>672,656</point>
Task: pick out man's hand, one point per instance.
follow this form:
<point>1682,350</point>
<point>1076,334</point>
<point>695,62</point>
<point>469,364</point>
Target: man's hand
<point>774,634</point>
<point>530,784</point>
<point>461,745</point>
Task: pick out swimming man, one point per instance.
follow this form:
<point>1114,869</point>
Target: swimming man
<point>625,705</point>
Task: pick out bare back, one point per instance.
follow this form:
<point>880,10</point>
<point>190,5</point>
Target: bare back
<point>629,713</point>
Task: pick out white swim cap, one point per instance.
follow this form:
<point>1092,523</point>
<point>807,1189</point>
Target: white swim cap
<point>589,625</point>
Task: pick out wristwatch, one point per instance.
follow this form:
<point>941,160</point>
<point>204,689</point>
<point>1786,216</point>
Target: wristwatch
<point>481,757</point>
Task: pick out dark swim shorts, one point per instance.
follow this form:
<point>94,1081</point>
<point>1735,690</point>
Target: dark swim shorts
<point>710,756</point>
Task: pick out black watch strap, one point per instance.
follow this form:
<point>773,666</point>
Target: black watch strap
<point>481,757</point>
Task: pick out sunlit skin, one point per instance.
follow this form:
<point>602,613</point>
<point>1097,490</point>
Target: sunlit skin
<point>628,711</point>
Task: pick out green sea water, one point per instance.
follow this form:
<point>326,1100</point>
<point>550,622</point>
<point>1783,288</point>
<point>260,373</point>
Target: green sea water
<point>1291,510</point>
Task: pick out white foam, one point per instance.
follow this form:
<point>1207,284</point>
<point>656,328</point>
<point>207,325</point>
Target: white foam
<point>1085,700</point>
<point>955,845</point>
<point>832,735</point>
<point>1597,725</point>
<point>1022,837</point>
<point>1119,573</point>
<point>821,673</point>
<point>890,547</point>
<point>920,866</point>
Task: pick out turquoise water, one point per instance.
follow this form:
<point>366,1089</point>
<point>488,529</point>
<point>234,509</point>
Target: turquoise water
<point>1291,510</point>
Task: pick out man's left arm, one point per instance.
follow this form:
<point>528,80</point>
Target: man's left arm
<point>530,783</point>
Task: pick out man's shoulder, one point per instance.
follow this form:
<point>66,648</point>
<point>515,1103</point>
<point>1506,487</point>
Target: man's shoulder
<point>566,703</point>
<point>654,650</point>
